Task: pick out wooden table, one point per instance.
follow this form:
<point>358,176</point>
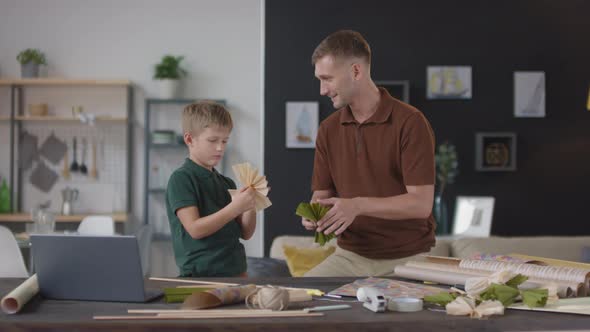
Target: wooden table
<point>50,315</point>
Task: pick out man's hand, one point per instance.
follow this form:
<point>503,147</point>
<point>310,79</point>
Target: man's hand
<point>340,216</point>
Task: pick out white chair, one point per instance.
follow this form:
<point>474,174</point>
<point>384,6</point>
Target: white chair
<point>97,225</point>
<point>12,264</point>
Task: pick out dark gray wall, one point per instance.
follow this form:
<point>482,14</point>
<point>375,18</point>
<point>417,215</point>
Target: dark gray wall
<point>548,194</point>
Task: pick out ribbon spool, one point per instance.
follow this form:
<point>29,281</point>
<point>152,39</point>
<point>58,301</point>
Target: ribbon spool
<point>273,298</point>
<point>405,304</point>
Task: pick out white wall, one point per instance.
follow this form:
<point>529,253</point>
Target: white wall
<point>222,41</point>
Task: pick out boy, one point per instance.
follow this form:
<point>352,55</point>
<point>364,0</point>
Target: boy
<point>205,222</point>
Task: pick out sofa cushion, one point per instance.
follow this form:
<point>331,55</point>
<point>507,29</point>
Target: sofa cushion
<point>300,260</point>
<point>558,247</point>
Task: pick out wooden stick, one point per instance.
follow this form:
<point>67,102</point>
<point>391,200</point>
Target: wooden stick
<point>225,283</point>
<point>181,311</point>
<point>183,316</point>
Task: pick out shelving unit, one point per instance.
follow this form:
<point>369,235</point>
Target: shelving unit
<point>17,118</point>
<point>149,146</point>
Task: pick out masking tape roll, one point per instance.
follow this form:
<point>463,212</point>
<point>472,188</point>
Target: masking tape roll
<point>405,304</point>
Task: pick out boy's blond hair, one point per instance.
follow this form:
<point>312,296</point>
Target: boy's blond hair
<point>198,116</point>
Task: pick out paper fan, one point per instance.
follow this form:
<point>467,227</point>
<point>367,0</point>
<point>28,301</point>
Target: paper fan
<point>249,177</point>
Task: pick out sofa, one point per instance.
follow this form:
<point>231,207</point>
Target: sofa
<point>572,248</point>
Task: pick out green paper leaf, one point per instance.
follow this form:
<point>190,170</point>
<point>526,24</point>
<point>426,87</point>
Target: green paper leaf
<point>505,294</point>
<point>442,298</point>
<point>535,297</point>
<point>315,212</point>
<point>306,211</point>
<point>517,280</point>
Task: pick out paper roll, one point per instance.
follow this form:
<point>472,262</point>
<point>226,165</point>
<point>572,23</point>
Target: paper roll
<point>15,300</point>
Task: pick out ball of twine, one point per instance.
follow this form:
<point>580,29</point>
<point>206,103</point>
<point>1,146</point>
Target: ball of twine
<point>269,297</point>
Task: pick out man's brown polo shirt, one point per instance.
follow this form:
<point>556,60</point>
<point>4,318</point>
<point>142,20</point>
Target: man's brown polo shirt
<point>393,149</point>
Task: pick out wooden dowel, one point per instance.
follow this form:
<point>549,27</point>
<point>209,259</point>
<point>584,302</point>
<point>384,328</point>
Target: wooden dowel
<point>158,311</point>
<point>204,282</point>
<point>182,316</point>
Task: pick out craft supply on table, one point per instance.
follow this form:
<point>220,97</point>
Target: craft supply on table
<point>217,297</point>
<point>328,308</point>
<point>269,297</point>
<point>389,288</point>
<point>17,298</point>
<point>209,314</point>
<point>405,304</point>
<point>372,299</point>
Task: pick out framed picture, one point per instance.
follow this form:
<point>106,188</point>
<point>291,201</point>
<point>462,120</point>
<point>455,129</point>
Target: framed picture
<point>397,89</point>
<point>473,216</point>
<point>529,94</point>
<point>302,124</point>
<point>448,82</point>
<point>495,152</point>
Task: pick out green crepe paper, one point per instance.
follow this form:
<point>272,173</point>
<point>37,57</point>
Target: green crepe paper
<point>442,298</point>
<point>535,297</point>
<point>178,295</point>
<point>315,212</point>
<point>517,280</point>
<point>505,294</point>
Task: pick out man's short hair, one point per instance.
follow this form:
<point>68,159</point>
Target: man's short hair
<point>343,43</point>
<point>198,116</point>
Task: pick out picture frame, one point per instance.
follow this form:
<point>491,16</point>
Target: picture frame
<point>448,82</point>
<point>529,94</point>
<point>397,89</point>
<point>473,216</point>
<point>495,151</point>
<point>302,121</point>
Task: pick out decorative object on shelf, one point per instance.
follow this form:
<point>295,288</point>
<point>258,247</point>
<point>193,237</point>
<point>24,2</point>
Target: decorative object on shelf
<point>448,82</point>
<point>163,137</point>
<point>447,168</point>
<point>473,216</point>
<point>397,89</point>
<point>302,124</point>
<point>30,60</point>
<point>38,109</point>
<point>168,74</point>
<point>495,151</point>
<point>529,94</point>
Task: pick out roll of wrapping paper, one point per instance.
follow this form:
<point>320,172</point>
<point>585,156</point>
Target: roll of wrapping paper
<point>217,297</point>
<point>15,300</point>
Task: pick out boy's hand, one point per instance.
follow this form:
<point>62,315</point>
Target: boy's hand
<point>309,225</point>
<point>244,200</point>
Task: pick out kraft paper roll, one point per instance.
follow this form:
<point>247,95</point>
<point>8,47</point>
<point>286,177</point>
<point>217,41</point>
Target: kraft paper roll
<point>15,300</point>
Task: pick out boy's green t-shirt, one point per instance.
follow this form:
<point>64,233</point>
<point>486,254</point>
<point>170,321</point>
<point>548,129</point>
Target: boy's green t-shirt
<point>218,255</point>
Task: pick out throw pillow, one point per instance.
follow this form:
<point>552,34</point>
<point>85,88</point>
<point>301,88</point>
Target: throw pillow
<point>301,260</point>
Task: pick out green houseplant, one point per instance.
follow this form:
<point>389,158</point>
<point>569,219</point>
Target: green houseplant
<point>447,168</point>
<point>168,74</point>
<point>30,60</point>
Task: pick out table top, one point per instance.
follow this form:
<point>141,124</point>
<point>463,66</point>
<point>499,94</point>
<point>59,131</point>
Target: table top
<point>51,315</point>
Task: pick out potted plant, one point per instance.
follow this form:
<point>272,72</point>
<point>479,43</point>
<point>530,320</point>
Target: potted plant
<point>168,74</point>
<point>30,59</point>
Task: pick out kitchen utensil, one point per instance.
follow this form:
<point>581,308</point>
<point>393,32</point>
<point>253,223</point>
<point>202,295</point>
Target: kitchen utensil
<point>66,171</point>
<point>93,171</point>
<point>74,167</point>
<point>69,196</point>
<point>43,177</point>
<point>53,149</point>
<point>27,151</point>
<point>83,168</point>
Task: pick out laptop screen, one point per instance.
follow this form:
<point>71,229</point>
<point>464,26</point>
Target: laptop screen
<point>96,268</point>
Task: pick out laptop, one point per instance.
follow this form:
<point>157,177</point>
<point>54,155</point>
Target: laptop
<point>93,268</point>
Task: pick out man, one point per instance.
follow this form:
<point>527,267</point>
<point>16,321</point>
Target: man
<point>374,164</point>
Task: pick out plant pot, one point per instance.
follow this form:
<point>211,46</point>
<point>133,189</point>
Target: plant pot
<point>29,70</point>
<point>168,89</point>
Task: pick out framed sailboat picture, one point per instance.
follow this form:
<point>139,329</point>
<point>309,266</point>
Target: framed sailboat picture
<point>302,124</point>
<point>448,82</point>
<point>529,94</point>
